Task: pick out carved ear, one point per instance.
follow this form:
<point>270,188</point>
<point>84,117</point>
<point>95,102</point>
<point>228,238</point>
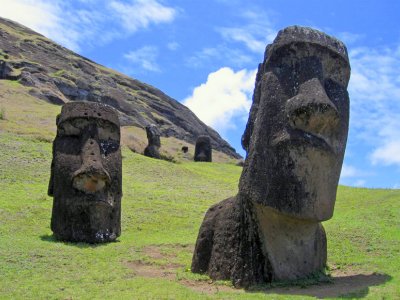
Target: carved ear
<point>50,190</point>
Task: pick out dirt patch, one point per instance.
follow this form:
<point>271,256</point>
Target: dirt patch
<point>149,270</point>
<point>344,283</point>
<point>153,252</point>
<point>208,287</point>
<point>166,252</point>
<point>169,272</point>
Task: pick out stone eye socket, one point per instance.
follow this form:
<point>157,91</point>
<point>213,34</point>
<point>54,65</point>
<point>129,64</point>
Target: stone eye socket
<point>68,129</point>
<point>108,146</point>
<point>335,91</point>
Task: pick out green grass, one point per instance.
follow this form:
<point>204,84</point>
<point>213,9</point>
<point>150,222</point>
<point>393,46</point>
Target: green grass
<point>163,205</point>
<point>2,113</point>
<point>162,208</point>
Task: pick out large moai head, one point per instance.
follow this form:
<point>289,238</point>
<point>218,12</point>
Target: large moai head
<point>154,142</point>
<point>86,174</point>
<point>203,151</point>
<point>297,130</point>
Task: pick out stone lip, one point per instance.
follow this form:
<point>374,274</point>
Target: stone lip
<point>299,34</point>
<point>58,75</point>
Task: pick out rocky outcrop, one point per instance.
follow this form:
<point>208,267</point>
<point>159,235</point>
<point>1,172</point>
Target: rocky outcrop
<point>59,75</point>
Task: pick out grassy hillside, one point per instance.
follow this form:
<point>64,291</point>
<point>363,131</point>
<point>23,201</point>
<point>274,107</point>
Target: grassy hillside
<point>29,116</point>
<point>163,206</point>
<point>59,75</point>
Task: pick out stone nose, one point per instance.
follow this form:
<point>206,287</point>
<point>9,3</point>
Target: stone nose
<point>91,176</point>
<point>312,111</point>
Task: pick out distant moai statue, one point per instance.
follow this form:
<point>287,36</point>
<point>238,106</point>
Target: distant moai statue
<point>154,143</point>
<point>203,151</point>
<point>86,174</point>
<point>185,149</point>
<point>295,140</point>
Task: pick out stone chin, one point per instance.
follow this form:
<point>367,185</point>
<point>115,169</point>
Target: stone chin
<point>300,186</point>
<point>310,190</point>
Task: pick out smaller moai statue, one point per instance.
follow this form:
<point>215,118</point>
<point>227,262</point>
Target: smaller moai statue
<point>153,137</point>
<point>185,149</point>
<point>86,174</point>
<point>203,151</point>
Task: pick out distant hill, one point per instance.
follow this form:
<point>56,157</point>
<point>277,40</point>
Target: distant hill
<point>58,75</point>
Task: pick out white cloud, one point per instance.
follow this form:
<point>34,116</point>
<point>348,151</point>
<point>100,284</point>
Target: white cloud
<point>141,13</point>
<point>350,38</point>
<point>92,22</point>
<point>255,33</point>
<point>360,183</point>
<point>348,171</point>
<point>43,16</point>
<point>244,36</point>
<point>375,102</point>
<point>208,55</point>
<point>387,154</point>
<point>145,57</point>
<point>225,94</point>
<point>351,175</point>
<point>396,186</point>
<point>173,46</point>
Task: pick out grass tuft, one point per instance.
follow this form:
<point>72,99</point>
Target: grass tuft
<point>2,113</point>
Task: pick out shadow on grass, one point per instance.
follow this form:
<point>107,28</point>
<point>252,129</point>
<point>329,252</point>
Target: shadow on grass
<point>344,287</point>
<point>51,238</point>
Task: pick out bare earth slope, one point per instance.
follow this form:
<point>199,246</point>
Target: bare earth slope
<point>58,75</point>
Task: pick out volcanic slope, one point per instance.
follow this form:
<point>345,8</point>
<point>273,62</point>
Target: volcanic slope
<point>58,75</point>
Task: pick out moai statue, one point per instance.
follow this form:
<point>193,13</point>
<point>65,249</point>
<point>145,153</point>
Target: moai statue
<point>86,174</point>
<point>185,149</point>
<point>153,137</point>
<point>203,151</point>
<point>295,140</point>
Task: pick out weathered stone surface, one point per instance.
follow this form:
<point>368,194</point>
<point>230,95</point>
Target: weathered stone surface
<point>295,140</point>
<point>153,137</point>
<point>228,245</point>
<point>86,174</point>
<point>5,70</point>
<point>58,75</point>
<point>203,150</point>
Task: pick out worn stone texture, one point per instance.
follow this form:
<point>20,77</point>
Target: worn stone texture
<point>295,140</point>
<point>86,174</point>
<point>154,142</point>
<point>203,150</point>
<point>228,245</point>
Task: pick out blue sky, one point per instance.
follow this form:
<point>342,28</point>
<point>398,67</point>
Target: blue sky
<point>204,53</point>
